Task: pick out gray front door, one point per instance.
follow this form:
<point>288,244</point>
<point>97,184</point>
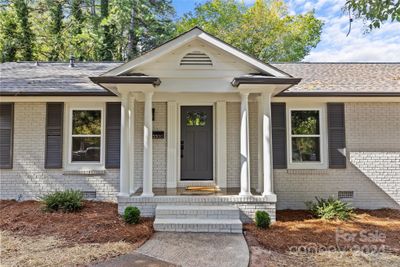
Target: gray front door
<point>196,143</point>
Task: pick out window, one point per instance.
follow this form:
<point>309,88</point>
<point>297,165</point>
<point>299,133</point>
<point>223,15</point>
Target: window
<point>305,136</point>
<point>86,135</point>
<point>196,118</point>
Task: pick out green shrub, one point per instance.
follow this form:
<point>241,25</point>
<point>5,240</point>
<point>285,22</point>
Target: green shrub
<point>132,215</point>
<point>330,209</point>
<point>263,220</point>
<point>67,201</point>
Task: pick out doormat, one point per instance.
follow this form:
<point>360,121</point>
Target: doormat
<point>201,190</point>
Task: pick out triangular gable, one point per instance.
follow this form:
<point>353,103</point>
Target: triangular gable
<point>196,33</point>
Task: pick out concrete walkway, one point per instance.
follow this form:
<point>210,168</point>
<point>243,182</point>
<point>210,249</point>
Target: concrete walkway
<point>198,249</point>
<point>134,259</point>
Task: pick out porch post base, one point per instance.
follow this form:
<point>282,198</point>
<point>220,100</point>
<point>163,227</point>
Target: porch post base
<point>245,194</point>
<point>122,194</point>
<point>147,195</point>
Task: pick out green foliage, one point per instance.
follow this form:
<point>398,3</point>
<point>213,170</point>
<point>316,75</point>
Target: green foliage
<point>264,30</point>
<point>67,201</point>
<point>375,12</point>
<point>132,215</point>
<point>263,220</point>
<point>330,209</point>
<point>90,30</point>
<point>8,35</point>
<point>26,34</point>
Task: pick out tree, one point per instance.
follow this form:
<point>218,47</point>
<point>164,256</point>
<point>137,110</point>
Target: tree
<point>8,35</point>
<point>107,42</point>
<point>56,26</point>
<point>264,30</point>
<point>25,39</point>
<point>375,12</point>
<point>140,25</point>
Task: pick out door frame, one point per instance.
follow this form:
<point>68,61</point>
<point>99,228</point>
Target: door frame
<point>178,141</point>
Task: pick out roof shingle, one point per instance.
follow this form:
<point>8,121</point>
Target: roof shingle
<point>317,78</point>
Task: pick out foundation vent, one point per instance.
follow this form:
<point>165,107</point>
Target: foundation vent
<point>196,58</point>
<point>89,194</point>
<point>345,194</point>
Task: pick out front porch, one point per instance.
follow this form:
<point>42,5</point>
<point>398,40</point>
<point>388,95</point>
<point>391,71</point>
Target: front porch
<point>185,120</point>
<point>247,205</point>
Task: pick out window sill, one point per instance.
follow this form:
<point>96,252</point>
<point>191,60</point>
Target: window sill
<point>84,172</point>
<point>307,171</point>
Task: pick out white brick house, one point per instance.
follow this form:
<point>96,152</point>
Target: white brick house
<point>197,111</point>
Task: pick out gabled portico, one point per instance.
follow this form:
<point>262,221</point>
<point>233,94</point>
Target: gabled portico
<point>199,81</point>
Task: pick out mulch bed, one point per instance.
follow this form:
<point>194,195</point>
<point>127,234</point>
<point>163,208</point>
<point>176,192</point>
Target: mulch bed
<point>298,228</point>
<point>97,222</point>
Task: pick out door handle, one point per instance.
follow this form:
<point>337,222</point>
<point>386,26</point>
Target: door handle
<point>182,147</point>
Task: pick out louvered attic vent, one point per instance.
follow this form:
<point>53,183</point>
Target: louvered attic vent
<point>196,58</point>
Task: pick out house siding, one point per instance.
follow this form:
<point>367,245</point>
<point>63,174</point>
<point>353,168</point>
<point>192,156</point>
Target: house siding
<point>29,179</point>
<point>373,159</point>
<point>373,163</point>
<point>159,145</point>
<point>233,143</point>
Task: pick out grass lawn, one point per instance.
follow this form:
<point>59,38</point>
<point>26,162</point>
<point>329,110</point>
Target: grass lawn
<point>372,238</point>
<point>31,237</point>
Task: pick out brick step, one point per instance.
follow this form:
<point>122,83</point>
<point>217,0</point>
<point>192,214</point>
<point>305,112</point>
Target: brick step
<point>198,225</point>
<point>196,212</point>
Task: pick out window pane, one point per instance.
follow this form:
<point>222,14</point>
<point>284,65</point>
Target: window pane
<point>85,148</point>
<point>86,122</point>
<point>196,118</point>
<point>305,122</point>
<point>305,149</point>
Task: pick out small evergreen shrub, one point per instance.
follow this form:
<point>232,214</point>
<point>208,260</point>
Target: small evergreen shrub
<point>330,209</point>
<point>263,220</point>
<point>131,215</point>
<point>67,201</point>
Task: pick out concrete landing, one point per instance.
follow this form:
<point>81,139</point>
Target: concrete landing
<point>198,249</point>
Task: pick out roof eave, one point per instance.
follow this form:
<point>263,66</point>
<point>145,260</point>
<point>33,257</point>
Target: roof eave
<point>264,80</point>
<point>339,94</point>
<point>126,80</point>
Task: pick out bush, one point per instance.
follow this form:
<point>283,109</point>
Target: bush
<point>330,209</point>
<point>67,201</point>
<point>131,215</point>
<point>262,219</point>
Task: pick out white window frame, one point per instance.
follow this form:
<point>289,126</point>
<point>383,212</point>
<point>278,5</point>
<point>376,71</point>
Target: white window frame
<point>83,165</point>
<point>323,146</point>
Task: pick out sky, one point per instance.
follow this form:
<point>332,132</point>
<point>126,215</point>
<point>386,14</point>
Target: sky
<point>380,45</point>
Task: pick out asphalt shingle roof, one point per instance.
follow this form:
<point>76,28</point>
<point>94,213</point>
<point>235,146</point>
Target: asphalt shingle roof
<point>320,78</point>
<point>326,78</point>
<point>52,78</point>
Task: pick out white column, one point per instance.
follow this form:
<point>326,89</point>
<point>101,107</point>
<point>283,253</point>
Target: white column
<point>132,188</point>
<point>260,138</point>
<point>244,146</point>
<point>124,158</point>
<point>148,146</point>
<point>172,143</point>
<point>267,144</point>
<point>221,144</point>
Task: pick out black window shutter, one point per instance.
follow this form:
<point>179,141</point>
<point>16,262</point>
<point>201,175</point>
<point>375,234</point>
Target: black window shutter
<point>54,135</point>
<point>336,136</point>
<point>6,135</point>
<point>113,134</point>
<point>278,113</point>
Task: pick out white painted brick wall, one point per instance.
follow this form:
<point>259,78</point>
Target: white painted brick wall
<point>159,145</point>
<point>373,163</point>
<point>29,178</point>
<point>233,143</point>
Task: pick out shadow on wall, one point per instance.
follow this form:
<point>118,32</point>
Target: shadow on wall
<point>382,168</point>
